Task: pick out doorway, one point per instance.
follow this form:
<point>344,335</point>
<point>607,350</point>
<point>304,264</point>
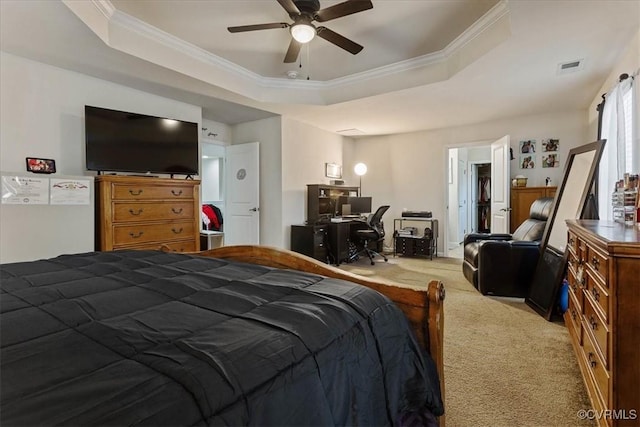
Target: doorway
<point>466,164</point>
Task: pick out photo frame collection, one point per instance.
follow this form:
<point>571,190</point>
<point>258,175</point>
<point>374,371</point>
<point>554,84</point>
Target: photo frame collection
<point>528,153</point>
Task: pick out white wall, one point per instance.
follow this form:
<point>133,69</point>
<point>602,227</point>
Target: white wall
<point>42,115</point>
<point>268,133</point>
<point>629,63</point>
<point>408,170</point>
<point>305,150</point>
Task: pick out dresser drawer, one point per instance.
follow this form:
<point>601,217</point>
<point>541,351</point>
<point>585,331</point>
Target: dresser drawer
<point>149,192</point>
<point>596,368</point>
<point>597,294</point>
<point>598,264</point>
<point>128,212</point>
<point>573,316</point>
<point>572,243</point>
<point>575,288</point>
<point>599,330</point>
<point>177,246</point>
<point>159,232</point>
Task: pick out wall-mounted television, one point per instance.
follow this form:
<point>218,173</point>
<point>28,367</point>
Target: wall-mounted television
<point>120,141</point>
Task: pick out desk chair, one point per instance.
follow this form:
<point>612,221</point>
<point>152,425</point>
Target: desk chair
<point>374,233</point>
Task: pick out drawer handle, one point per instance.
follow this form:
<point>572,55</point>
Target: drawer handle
<point>572,241</point>
<point>596,294</point>
<point>592,360</point>
<point>177,231</point>
<point>176,211</point>
<point>595,262</point>
<point>593,322</point>
<point>583,281</point>
<point>135,213</point>
<point>135,236</point>
<point>135,193</point>
<point>176,193</point>
<point>574,314</point>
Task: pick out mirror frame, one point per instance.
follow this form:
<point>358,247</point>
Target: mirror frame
<point>552,262</point>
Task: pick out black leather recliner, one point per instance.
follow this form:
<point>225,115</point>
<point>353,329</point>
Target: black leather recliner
<point>504,264</point>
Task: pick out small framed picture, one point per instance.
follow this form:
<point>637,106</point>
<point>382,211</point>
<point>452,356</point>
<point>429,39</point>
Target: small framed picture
<point>550,161</point>
<point>527,162</point>
<point>550,145</point>
<point>528,146</point>
<point>332,170</point>
<point>37,165</point>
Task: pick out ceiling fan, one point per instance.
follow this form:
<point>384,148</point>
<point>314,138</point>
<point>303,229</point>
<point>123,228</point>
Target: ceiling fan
<point>303,13</point>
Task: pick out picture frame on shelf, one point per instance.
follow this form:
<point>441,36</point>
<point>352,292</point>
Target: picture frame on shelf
<point>37,165</point>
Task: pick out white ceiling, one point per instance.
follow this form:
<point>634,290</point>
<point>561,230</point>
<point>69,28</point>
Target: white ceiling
<point>426,64</point>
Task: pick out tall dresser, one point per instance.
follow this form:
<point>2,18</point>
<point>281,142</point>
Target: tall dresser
<point>521,200</point>
<point>603,316</point>
<point>147,213</point>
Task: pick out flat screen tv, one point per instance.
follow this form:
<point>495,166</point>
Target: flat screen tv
<point>119,141</point>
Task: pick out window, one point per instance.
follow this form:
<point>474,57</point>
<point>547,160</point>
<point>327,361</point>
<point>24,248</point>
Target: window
<point>620,154</point>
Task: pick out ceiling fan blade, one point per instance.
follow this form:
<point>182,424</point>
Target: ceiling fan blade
<point>293,51</point>
<point>290,7</point>
<point>342,9</point>
<point>243,28</point>
<point>338,40</point>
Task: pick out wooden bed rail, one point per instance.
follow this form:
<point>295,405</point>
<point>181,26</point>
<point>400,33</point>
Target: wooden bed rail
<point>423,308</point>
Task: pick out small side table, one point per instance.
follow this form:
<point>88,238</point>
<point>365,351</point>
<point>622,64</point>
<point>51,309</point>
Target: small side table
<point>211,239</point>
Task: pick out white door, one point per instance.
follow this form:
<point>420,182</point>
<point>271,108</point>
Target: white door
<point>242,217</point>
<point>500,210</point>
<point>462,199</point>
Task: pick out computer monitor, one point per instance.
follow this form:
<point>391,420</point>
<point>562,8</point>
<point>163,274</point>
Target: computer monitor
<point>359,205</point>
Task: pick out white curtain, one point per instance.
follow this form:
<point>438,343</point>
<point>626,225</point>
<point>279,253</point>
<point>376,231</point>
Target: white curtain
<point>613,163</point>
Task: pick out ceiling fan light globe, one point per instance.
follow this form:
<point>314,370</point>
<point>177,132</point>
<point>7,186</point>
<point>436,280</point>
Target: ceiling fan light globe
<point>303,33</point>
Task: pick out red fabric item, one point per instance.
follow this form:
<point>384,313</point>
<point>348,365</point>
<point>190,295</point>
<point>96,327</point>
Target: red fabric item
<point>209,212</point>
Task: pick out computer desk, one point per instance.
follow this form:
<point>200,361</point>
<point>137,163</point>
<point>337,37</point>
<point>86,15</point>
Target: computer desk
<point>329,242</point>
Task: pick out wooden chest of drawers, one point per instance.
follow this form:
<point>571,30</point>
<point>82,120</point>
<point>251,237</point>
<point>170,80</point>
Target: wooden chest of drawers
<point>147,213</point>
<point>603,316</point>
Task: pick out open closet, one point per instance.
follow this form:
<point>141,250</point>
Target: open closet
<point>483,197</point>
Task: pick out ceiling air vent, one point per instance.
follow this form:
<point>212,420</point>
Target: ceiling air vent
<point>571,66</point>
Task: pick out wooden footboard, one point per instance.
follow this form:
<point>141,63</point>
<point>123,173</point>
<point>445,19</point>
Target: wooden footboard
<point>424,309</point>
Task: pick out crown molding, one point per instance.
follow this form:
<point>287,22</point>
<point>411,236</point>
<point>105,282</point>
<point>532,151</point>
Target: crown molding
<point>259,87</point>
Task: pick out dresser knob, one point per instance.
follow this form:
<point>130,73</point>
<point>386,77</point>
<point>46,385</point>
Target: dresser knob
<point>135,193</point>
<point>595,262</point>
<point>592,360</point>
<point>135,213</point>
<point>595,293</point>
<point>574,314</point>
<point>593,322</point>
<point>177,231</point>
<point>176,211</point>
<point>136,235</point>
<point>176,193</point>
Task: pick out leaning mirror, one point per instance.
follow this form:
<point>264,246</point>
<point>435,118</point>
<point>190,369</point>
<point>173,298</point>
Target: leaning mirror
<point>569,203</point>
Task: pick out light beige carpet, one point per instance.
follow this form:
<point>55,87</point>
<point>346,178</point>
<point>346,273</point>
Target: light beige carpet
<point>504,364</point>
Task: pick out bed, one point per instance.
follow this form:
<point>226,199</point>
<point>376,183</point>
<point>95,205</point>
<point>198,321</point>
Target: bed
<point>239,335</point>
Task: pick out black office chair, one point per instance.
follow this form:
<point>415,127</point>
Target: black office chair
<point>373,234</point>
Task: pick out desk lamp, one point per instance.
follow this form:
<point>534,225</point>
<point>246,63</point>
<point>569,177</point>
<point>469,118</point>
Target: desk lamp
<point>360,169</point>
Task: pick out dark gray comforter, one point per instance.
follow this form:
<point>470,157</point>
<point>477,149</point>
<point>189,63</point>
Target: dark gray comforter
<point>151,338</point>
